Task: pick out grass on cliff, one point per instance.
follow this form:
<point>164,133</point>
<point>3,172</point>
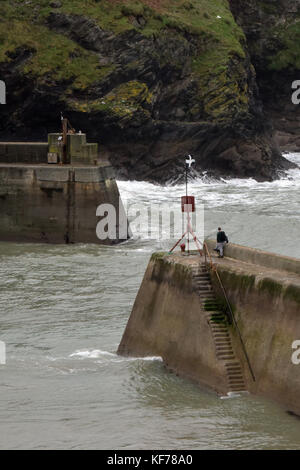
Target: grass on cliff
<point>23,22</point>
<point>55,57</point>
<point>289,55</point>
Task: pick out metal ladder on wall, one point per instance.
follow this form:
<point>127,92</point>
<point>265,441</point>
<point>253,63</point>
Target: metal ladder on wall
<point>218,322</point>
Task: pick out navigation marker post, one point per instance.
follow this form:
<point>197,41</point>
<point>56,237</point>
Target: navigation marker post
<point>188,206</point>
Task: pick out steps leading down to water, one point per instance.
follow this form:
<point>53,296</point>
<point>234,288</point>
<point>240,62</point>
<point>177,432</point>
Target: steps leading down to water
<point>218,323</point>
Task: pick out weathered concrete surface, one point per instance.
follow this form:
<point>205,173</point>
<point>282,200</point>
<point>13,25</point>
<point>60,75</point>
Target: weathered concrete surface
<point>259,257</point>
<point>167,320</point>
<point>23,152</point>
<point>53,203</point>
<point>79,152</point>
<point>266,304</point>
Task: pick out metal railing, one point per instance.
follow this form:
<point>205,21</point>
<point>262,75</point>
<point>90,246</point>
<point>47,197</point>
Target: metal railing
<point>213,268</point>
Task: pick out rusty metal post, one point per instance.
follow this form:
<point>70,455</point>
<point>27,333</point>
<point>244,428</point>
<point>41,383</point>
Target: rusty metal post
<point>64,139</point>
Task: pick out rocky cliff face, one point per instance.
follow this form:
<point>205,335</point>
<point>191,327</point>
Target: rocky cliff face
<point>272,29</point>
<point>149,80</point>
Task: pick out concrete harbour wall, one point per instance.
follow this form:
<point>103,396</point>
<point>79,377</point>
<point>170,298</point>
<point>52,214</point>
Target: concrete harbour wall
<point>266,306</point>
<point>166,321</point>
<point>53,203</point>
<point>264,292</point>
<point>259,257</point>
<point>23,152</point>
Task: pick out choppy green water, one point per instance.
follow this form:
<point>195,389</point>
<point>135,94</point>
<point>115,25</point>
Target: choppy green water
<point>63,312</point>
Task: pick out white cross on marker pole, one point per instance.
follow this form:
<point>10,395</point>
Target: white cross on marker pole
<point>190,161</point>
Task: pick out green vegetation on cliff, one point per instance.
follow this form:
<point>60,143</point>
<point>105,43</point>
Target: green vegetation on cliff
<point>288,55</point>
<point>55,56</point>
<point>273,31</point>
<point>149,79</point>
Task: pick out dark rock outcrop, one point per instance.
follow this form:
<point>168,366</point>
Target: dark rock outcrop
<point>149,84</point>
<point>272,29</point>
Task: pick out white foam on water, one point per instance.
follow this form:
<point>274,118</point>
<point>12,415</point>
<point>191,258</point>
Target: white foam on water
<point>144,191</point>
<point>98,353</point>
<point>149,358</point>
<point>234,395</point>
<point>94,354</point>
<point>279,197</point>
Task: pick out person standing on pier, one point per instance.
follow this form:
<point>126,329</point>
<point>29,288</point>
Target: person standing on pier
<point>221,242</point>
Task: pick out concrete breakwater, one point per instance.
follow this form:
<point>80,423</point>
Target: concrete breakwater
<point>55,204</point>
<point>23,152</point>
<point>50,192</point>
<point>180,314</point>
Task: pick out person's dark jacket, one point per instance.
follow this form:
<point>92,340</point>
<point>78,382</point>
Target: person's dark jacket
<point>221,237</point>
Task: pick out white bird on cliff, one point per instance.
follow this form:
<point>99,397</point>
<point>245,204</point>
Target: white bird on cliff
<point>190,161</point>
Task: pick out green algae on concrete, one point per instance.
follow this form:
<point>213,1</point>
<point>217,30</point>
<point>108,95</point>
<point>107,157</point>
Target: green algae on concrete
<point>242,282</point>
<point>158,255</point>
<point>173,273</point>
<point>293,293</point>
<point>272,287</point>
